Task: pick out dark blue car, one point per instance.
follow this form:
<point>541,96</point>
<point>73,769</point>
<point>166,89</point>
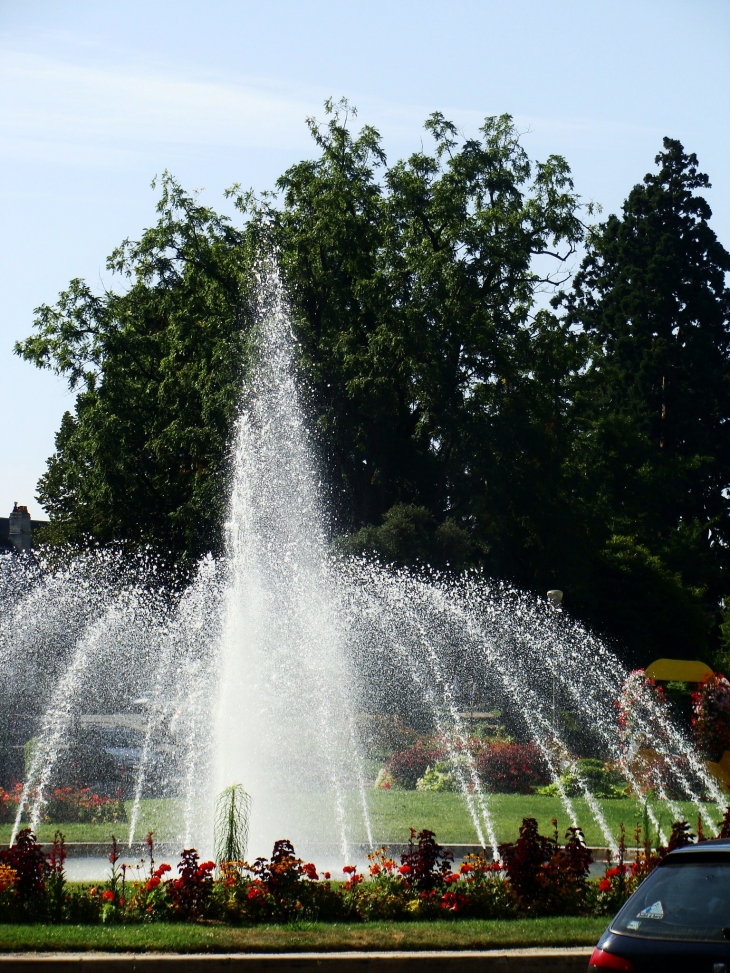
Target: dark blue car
<point>677,920</point>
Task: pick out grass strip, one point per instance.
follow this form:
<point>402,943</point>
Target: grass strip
<point>392,813</point>
<point>305,937</point>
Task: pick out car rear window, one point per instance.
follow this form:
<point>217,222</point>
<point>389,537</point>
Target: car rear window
<point>686,898</point>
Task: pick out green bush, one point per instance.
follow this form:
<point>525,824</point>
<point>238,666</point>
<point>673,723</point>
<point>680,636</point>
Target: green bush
<point>602,780</point>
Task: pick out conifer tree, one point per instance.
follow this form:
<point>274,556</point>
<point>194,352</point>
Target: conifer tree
<point>654,405</point>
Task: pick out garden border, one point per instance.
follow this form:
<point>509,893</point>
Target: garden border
<point>550,960</point>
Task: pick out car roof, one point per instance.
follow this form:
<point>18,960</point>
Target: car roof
<point>714,844</point>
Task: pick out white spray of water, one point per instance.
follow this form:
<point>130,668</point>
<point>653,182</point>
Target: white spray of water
<point>259,672</point>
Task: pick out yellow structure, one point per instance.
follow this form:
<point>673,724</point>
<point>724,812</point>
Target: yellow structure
<point>677,670</point>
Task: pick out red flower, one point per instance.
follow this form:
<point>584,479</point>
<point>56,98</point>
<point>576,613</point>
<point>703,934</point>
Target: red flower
<point>466,868</point>
<point>152,883</point>
<point>405,869</point>
<point>327,875</point>
<point>254,892</point>
<point>604,885</point>
<point>108,896</point>
<point>310,871</point>
<point>349,869</point>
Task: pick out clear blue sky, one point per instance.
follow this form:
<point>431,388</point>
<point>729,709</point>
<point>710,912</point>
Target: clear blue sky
<point>97,97</point>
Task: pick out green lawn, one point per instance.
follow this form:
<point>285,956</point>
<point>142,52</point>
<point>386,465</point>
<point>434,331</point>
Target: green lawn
<point>392,813</point>
<point>189,938</point>
<point>160,816</point>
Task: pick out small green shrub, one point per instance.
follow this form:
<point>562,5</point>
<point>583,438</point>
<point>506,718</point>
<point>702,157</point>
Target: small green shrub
<point>602,780</point>
<point>439,778</point>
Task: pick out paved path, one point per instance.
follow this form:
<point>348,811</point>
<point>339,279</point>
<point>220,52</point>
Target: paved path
<point>486,961</point>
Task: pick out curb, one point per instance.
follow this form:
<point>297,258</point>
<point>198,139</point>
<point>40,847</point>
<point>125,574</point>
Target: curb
<point>486,961</point>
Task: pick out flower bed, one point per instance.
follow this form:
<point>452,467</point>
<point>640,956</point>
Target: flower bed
<point>66,805</point>
<point>535,876</point>
<point>711,716</point>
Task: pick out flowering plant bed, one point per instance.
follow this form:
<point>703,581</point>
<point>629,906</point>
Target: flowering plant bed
<point>711,716</point>
<point>67,804</point>
<point>536,875</point>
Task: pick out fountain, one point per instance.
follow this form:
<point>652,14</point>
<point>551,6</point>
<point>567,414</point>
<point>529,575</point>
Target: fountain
<point>255,674</point>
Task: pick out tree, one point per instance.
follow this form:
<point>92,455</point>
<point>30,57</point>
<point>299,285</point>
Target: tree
<point>414,300</point>
<point>653,408</point>
<point>142,458</point>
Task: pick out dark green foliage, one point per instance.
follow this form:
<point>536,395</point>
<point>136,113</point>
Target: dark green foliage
<point>653,443</point>
<point>142,459</point>
<point>645,605</point>
<point>585,448</point>
<point>413,301</point>
<point>409,535</point>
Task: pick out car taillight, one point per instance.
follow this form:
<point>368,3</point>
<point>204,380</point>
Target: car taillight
<point>609,961</point>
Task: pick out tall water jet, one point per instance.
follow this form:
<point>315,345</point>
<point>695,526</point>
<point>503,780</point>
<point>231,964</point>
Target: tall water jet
<point>285,693</point>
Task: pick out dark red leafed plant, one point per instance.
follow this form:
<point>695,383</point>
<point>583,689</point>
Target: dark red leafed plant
<point>426,863</point>
<point>575,858</point>
<point>190,892</point>
<point>681,835</point>
<point>525,860</point>
<point>56,881</point>
<point>408,766</point>
<point>31,867</point>
<point>568,872</point>
<point>511,767</point>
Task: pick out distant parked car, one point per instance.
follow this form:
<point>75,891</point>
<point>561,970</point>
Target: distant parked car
<point>677,920</point>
